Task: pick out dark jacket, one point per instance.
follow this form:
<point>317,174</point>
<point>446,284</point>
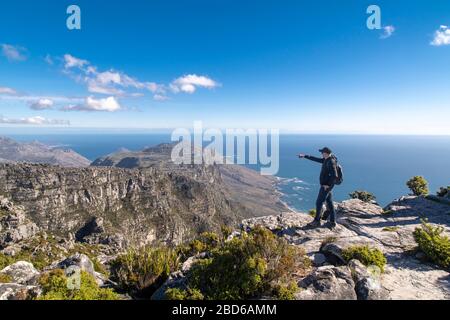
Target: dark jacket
<point>329,173</point>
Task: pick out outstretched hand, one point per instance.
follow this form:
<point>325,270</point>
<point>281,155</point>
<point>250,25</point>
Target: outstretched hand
<point>301,155</point>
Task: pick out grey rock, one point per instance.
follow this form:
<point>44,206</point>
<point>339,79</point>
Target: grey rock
<point>327,283</point>
<point>318,259</point>
<point>22,272</point>
<point>368,283</point>
<point>14,291</point>
<point>14,225</point>
<point>78,260</point>
<point>176,280</point>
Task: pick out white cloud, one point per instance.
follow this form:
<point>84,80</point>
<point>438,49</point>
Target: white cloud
<point>5,90</point>
<point>116,83</point>
<point>42,104</point>
<point>159,97</point>
<point>72,62</point>
<point>190,83</point>
<point>441,37</point>
<point>388,31</point>
<point>34,121</point>
<point>13,53</point>
<point>109,104</point>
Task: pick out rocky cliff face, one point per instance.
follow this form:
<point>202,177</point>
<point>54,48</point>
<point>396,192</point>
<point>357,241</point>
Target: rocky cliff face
<point>35,152</point>
<point>134,205</point>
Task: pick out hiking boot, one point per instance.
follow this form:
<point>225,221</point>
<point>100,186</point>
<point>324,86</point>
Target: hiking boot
<point>314,224</point>
<point>332,225</point>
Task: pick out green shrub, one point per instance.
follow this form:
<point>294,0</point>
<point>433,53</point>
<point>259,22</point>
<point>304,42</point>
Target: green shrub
<point>312,213</point>
<point>366,255</point>
<point>256,263</point>
<point>5,261</point>
<point>179,294</point>
<point>286,292</point>
<point>433,243</point>
<point>418,185</point>
<point>206,241</point>
<point>54,287</point>
<point>4,278</point>
<point>444,192</point>
<point>363,196</point>
<point>144,269</point>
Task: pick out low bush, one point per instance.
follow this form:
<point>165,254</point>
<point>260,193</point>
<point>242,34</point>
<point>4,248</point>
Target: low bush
<point>54,287</point>
<point>143,270</point>
<point>206,241</point>
<point>433,243</point>
<point>444,192</point>
<point>363,196</point>
<point>5,261</point>
<point>180,294</point>
<point>312,213</point>
<point>366,255</point>
<point>250,266</point>
<point>418,185</point>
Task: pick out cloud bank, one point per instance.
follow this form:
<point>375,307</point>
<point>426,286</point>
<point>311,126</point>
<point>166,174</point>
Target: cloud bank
<point>34,121</point>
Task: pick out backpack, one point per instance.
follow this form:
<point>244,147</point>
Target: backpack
<point>340,174</point>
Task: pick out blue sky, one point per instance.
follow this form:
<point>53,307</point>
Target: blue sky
<point>304,66</point>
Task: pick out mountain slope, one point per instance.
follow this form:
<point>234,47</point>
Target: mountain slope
<point>34,152</point>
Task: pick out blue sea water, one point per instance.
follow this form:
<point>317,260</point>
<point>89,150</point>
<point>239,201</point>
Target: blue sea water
<point>379,164</point>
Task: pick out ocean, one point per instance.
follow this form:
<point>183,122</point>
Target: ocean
<point>378,164</point>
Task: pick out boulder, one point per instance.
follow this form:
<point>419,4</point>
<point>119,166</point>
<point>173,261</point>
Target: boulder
<point>327,283</point>
<point>368,282</point>
<point>14,291</point>
<point>318,259</point>
<point>79,260</point>
<point>22,272</point>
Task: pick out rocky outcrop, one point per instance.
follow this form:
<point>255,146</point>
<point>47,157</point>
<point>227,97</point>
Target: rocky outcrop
<point>21,272</point>
<point>133,205</point>
<point>34,152</point>
<point>389,229</point>
<point>14,291</point>
<point>14,225</point>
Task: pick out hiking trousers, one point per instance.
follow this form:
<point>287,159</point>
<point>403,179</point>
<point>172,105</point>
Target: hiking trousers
<point>325,196</point>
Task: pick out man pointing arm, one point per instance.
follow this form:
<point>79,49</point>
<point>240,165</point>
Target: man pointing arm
<point>328,176</point>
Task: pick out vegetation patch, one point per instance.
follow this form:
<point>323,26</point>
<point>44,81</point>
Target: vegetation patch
<point>418,185</point>
<point>55,287</point>
<point>256,264</point>
<point>141,271</point>
<point>366,255</point>
<point>5,261</point>
<point>364,196</point>
<point>443,192</point>
<point>433,243</point>
<point>4,278</point>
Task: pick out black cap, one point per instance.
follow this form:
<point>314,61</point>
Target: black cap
<point>326,150</point>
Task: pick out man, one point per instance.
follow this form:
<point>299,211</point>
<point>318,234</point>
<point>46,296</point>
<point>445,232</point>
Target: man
<point>328,177</point>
